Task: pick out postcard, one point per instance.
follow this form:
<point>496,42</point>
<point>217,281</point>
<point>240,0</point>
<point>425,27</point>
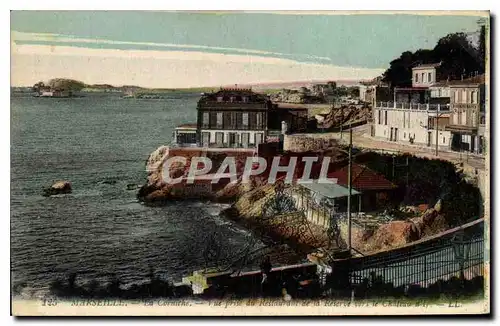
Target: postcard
<point>249,163</point>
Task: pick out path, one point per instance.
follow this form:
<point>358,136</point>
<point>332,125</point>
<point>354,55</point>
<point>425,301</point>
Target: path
<point>361,138</point>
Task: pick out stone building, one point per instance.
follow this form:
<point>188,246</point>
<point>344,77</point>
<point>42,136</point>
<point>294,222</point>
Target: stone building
<point>418,114</point>
<point>468,115</point>
<point>239,118</point>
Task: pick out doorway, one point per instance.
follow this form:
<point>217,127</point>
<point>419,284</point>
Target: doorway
<point>205,139</point>
<point>232,139</point>
<point>245,139</point>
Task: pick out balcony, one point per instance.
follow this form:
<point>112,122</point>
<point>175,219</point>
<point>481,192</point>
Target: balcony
<point>413,106</point>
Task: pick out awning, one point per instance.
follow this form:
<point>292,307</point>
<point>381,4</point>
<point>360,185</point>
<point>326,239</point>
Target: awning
<point>329,190</point>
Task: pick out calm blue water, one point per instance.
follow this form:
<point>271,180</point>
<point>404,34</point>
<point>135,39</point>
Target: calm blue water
<point>100,144</point>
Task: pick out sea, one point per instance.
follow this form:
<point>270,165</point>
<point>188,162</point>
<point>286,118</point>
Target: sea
<point>100,143</point>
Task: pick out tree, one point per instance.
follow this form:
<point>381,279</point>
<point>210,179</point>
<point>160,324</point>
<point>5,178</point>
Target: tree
<point>38,86</point>
<point>399,72</point>
<point>458,58</point>
<point>66,84</point>
<point>482,47</point>
<point>332,85</point>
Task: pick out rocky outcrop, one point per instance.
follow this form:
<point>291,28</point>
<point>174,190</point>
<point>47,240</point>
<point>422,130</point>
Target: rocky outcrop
<point>344,115</point>
<point>60,187</point>
<point>398,233</point>
<point>297,96</point>
<point>157,191</point>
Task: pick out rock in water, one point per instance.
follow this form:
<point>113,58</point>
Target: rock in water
<point>60,187</point>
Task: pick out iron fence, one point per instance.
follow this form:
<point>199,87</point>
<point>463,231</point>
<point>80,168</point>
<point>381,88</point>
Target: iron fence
<point>457,253</point>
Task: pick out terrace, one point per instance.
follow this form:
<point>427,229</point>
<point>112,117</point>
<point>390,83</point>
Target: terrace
<point>413,106</point>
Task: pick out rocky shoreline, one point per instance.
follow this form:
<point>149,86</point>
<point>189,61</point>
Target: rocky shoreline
<point>247,201</point>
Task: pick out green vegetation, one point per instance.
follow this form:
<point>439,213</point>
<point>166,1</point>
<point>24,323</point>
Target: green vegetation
<point>457,55</point>
<point>75,85</point>
<point>425,181</point>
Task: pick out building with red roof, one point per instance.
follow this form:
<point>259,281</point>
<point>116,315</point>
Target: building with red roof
<point>375,189</point>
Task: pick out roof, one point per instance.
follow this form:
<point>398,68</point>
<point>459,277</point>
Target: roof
<point>442,83</point>
<point>187,126</point>
<point>476,80</point>
<point>329,190</point>
<point>234,92</point>
<point>363,178</point>
<point>422,88</point>
<point>427,65</point>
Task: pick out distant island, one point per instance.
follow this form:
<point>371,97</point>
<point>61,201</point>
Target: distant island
<point>281,92</point>
<point>63,87</point>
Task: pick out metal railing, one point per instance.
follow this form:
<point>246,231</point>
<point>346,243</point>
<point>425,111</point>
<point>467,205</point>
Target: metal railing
<point>457,253</point>
<point>413,106</point>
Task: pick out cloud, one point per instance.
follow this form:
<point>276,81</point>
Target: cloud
<point>59,39</point>
<point>165,69</point>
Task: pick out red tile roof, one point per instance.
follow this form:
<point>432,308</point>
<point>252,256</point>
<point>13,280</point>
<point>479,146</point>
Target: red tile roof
<point>363,178</point>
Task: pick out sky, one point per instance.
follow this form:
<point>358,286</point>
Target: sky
<point>187,49</point>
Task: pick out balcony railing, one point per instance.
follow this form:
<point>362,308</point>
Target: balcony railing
<point>413,106</point>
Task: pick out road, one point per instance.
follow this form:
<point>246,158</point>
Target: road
<point>361,139</point>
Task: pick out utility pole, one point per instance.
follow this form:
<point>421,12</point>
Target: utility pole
<point>407,171</point>
<point>349,184</point>
<point>393,165</point>
<point>341,119</point>
<point>436,128</point>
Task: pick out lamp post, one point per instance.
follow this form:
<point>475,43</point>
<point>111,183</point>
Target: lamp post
<point>436,128</point>
<point>461,250</point>
<point>349,180</point>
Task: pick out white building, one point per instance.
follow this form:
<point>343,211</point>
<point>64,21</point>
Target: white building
<point>419,114</point>
<point>412,123</point>
<point>424,75</point>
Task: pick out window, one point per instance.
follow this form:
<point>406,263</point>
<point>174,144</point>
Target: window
<point>473,97</point>
<point>379,117</point>
<point>245,119</point>
<point>219,138</point>
<point>205,121</point>
<point>245,139</point>
<point>205,138</point>
<point>258,138</point>
<point>455,96</point>
<point>429,77</point>
<point>423,81</point>
<point>474,118</point>
<point>219,119</point>
<point>385,113</point>
<point>444,140</point>
<point>232,120</point>
<point>463,117</point>
<point>464,96</point>
<point>455,117</point>
<point>416,78</point>
<point>404,135</point>
<point>259,121</point>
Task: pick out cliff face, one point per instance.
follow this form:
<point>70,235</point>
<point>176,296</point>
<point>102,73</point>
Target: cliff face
<point>156,190</point>
<point>345,115</point>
